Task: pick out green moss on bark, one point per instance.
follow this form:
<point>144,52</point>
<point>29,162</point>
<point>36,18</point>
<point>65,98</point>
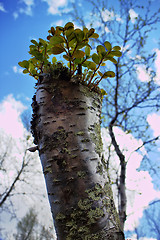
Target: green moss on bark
<point>96,138</point>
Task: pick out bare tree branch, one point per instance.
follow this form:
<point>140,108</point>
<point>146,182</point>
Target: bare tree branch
<point>8,191</point>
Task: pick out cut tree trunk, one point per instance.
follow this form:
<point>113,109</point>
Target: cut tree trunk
<point>66,128</point>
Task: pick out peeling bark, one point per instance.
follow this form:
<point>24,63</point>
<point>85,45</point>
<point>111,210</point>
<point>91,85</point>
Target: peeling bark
<point>66,128</point>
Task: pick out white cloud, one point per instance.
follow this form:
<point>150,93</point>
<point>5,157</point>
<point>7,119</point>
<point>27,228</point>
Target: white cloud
<point>126,48</point>
<point>107,29</point>
<point>2,7</point>
<point>15,15</point>
<point>154,122</point>
<point>28,9</point>
<point>110,16</point>
<point>59,23</point>
<point>157,66</point>
<point>17,69</point>
<point>25,10</point>
<point>143,75</point>
<point>54,5</point>
<point>10,121</point>
<point>119,19</point>
<point>140,190</point>
<point>144,238</point>
<point>107,15</point>
<point>138,57</point>
<point>133,15</point>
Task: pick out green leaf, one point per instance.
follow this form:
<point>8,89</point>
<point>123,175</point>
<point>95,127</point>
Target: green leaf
<point>43,41</point>
<point>59,30</point>
<point>92,66</point>
<point>116,48</point>
<point>68,26</point>
<point>83,44</point>
<point>34,42</point>
<point>56,40</point>
<point>95,58</point>
<point>33,60</point>
<point>101,74</point>
<point>110,59</point>
<point>72,42</point>
<point>87,51</point>
<point>116,53</point>
<point>38,55</point>
<point>100,50</point>
<point>88,75</point>
<point>108,45</point>
<point>49,37</point>
<point>103,92</point>
<point>25,71</point>
<point>109,74</point>
<point>78,61</point>
<point>70,65</point>
<point>94,35</point>
<point>85,30</point>
<point>57,50</point>
<point>69,34</point>
<point>31,66</point>
<point>90,32</point>
<point>66,57</point>
<point>52,31</point>
<point>32,47</point>
<point>79,35</point>
<point>54,59</point>
<point>78,54</point>
<point>24,64</point>
<point>89,64</point>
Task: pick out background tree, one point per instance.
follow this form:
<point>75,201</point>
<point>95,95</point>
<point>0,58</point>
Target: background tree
<point>28,228</point>
<point>8,185</point>
<point>129,100</point>
<point>19,169</point>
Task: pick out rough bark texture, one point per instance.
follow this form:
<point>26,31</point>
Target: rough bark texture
<point>66,128</point>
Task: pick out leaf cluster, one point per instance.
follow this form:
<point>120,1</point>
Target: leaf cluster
<point>74,45</point>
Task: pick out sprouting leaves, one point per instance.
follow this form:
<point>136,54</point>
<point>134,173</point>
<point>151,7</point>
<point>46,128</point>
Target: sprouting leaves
<point>108,45</point>
<point>57,49</point>
<point>96,58</point>
<point>74,45</point>
<point>54,60</point>
<point>56,40</point>
<point>24,64</point>
<point>116,48</point>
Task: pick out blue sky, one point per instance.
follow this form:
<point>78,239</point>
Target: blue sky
<point>23,20</point>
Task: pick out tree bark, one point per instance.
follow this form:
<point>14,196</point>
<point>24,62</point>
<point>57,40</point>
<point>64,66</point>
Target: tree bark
<point>122,204</point>
<point>66,128</point>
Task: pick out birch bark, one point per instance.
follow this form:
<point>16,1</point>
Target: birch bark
<point>66,128</point>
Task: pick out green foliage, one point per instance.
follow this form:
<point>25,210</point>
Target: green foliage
<point>74,45</point>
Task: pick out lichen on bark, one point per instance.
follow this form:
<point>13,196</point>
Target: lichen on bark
<point>66,128</point>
